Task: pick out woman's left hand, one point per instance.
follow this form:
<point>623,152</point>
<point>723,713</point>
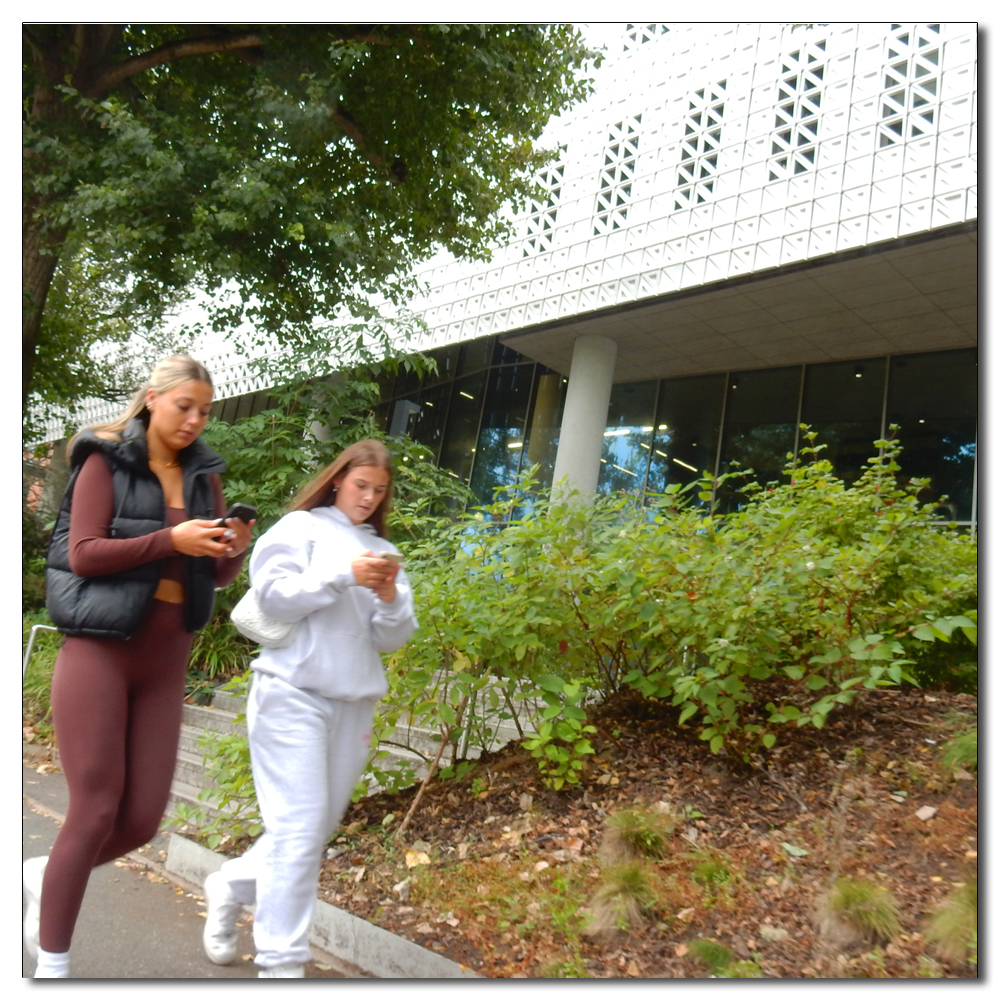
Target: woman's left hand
<point>240,538</point>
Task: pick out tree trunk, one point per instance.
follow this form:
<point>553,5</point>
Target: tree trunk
<point>40,249</point>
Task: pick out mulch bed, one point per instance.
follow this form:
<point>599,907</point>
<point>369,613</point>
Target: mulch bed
<point>844,799</point>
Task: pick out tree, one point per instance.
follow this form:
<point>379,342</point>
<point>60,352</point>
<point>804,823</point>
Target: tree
<point>295,173</point>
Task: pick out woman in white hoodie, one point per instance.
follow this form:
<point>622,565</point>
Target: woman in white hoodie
<point>311,703</point>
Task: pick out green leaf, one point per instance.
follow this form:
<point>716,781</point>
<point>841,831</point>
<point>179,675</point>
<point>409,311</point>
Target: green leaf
<point>795,852</point>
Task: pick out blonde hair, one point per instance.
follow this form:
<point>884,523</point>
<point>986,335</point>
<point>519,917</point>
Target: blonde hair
<point>169,373</point>
<point>319,491</point>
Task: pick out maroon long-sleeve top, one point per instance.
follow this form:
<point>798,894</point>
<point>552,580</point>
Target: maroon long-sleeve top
<point>93,553</point>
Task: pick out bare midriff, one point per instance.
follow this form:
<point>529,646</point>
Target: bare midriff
<point>171,587</point>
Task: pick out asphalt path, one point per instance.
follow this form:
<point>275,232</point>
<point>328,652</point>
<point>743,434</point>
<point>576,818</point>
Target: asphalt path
<point>137,921</point>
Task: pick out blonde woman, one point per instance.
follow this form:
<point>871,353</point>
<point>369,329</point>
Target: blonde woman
<point>135,557</point>
<point>327,566</point>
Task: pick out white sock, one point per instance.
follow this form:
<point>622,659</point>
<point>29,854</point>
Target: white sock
<point>52,965</point>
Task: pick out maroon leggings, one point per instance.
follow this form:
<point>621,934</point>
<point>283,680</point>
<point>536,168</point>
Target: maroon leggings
<point>116,706</point>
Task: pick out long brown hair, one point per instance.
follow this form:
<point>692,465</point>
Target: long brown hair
<point>320,491</point>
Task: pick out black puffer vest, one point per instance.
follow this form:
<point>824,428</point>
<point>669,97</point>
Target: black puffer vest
<point>113,606</point>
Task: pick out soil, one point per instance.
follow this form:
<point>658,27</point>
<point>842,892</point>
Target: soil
<point>503,875</point>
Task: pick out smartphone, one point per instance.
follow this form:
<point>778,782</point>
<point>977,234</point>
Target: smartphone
<point>243,511</point>
<point>394,557</point>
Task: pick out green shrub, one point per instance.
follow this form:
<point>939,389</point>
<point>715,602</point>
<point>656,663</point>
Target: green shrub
<point>752,624</point>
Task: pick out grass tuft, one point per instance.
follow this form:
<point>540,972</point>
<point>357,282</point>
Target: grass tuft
<point>622,900</point>
<point>639,833</point>
<point>962,751</point>
<point>953,929</point>
<point>858,910</point>
<point>714,955</point>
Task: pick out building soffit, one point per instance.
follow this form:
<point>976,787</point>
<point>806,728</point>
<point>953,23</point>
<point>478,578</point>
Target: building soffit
<point>903,297</point>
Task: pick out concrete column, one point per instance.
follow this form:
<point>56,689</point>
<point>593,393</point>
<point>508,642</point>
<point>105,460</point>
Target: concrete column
<point>585,415</point>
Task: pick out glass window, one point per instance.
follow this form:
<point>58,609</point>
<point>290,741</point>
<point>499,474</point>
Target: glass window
<point>459,447</point>
<point>382,412</point>
<point>504,355</point>
<point>842,402</point>
<point>546,420</point>
<point>427,427</point>
<point>502,429</point>
<point>476,355</point>
<point>759,431</point>
<point>687,430</point>
<point>628,437</point>
<point>934,398</point>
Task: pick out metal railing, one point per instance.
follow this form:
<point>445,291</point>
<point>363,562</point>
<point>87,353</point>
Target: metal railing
<point>31,645</point>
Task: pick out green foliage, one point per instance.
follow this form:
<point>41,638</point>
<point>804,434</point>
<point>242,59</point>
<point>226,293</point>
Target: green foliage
<point>953,928</point>
<point>962,751</point>
<point>868,909</point>
<point>714,955</point>
<point>711,869</point>
<point>292,172</point>
<point>36,706</point>
<point>751,624</point>
<point>742,969</point>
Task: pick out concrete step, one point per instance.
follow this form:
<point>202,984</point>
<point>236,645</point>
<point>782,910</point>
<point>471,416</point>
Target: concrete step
<point>417,745</point>
<point>209,717</point>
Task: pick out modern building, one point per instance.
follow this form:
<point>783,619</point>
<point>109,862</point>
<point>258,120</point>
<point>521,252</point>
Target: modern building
<point>747,227</point>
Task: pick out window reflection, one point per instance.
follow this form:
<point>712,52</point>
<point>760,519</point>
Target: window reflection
<point>502,429</point>
<point>759,431</point>
<point>459,447</point>
<point>687,430</point>
<point>934,399</point>
<point>628,437</point>
<point>544,425</point>
<point>842,402</point>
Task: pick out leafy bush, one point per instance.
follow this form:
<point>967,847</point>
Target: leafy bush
<point>752,624</point>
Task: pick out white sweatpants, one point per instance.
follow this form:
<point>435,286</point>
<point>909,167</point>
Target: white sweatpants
<point>307,753</point>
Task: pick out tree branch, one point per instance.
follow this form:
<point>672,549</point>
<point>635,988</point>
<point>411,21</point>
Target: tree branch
<point>176,50</point>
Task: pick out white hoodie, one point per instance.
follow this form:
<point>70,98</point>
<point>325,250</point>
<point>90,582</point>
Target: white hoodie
<point>344,626</point>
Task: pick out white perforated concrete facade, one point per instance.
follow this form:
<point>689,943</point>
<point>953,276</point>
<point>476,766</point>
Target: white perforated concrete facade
<point>711,153</point>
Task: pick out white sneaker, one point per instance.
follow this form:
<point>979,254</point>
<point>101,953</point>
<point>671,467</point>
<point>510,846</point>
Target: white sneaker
<point>222,911</point>
<point>52,965</point>
<point>283,972</point>
<point>32,873</point>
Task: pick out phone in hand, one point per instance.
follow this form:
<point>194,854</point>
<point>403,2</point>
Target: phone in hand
<point>243,511</point>
<point>393,557</point>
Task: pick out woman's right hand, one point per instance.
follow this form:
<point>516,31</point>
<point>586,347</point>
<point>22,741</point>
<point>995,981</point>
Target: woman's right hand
<point>199,538</point>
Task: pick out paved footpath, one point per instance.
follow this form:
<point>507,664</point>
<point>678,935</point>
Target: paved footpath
<point>137,921</point>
